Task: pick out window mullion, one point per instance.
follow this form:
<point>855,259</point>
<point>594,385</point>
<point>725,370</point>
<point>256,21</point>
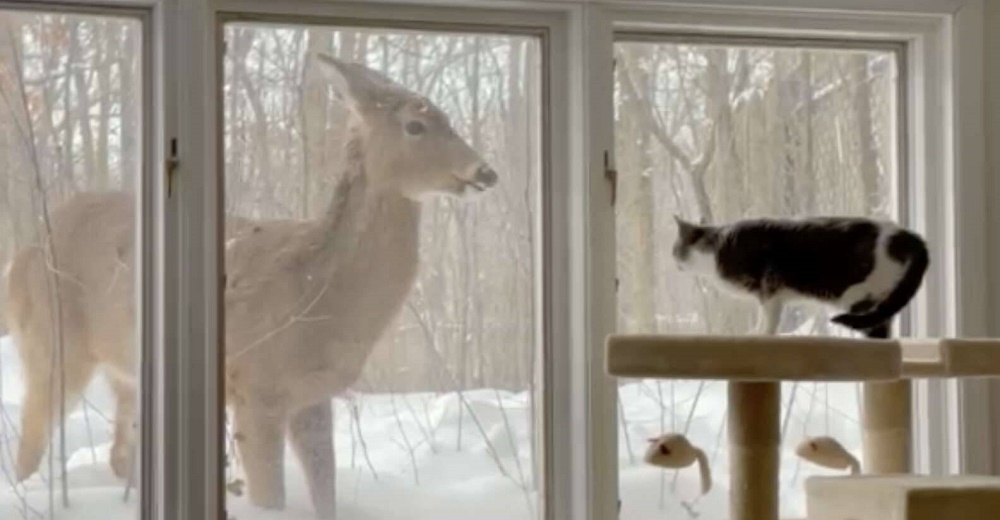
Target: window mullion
<point>190,446</point>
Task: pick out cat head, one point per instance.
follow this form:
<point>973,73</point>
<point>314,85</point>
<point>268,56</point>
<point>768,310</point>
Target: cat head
<point>694,245</point>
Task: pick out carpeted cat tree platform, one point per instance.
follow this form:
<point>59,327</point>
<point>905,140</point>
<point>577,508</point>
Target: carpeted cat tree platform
<point>755,366</point>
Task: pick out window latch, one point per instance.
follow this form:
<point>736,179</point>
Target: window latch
<point>171,166</point>
<point>611,175</point>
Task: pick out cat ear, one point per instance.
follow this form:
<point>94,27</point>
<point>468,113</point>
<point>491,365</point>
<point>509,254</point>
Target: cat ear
<point>684,228</point>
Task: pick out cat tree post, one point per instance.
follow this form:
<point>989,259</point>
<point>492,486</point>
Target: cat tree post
<point>754,367</point>
<point>754,417</point>
<point>886,424</point>
<point>887,415</point>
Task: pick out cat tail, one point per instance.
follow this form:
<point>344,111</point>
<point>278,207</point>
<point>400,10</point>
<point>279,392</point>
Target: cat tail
<point>911,246</point>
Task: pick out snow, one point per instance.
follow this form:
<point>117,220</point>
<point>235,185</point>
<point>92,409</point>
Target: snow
<point>433,459</point>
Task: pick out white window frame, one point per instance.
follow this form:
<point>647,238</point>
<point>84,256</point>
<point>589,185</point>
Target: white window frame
<point>181,435</point>
<point>945,156</point>
<point>946,130</point>
<point>198,398</point>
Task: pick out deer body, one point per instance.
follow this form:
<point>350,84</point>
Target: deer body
<point>305,301</point>
<point>93,248</point>
<point>311,270</point>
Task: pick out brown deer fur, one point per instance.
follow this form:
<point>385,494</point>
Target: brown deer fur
<point>306,301</point>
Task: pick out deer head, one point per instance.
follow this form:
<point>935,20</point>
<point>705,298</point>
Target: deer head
<point>411,146</point>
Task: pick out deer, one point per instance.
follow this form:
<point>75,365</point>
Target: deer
<point>306,301</point>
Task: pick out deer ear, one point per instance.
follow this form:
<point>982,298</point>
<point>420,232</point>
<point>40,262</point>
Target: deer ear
<point>352,82</point>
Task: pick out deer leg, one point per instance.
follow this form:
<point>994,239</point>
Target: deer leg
<point>259,433</point>
<point>123,447</point>
<point>311,435</point>
<point>41,408</point>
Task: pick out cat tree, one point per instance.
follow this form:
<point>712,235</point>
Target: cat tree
<point>755,366</point>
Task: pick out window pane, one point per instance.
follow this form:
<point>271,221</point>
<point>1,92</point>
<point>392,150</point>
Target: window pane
<point>381,220</point>
<point>728,132</point>
<point>71,143</point>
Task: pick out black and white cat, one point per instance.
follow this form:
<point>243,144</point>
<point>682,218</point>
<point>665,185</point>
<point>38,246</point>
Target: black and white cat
<point>868,268</point>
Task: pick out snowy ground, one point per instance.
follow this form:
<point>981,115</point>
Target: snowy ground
<point>433,459</point>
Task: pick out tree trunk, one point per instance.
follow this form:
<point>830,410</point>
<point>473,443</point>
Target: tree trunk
<point>315,113</point>
<point>77,62</point>
<point>635,197</point>
<point>867,144</point>
<point>131,100</point>
<point>105,53</point>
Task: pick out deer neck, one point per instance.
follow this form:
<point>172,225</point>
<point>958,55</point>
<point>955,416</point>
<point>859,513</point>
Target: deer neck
<point>370,237</point>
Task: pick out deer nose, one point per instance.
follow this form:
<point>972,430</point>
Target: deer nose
<point>485,176</point>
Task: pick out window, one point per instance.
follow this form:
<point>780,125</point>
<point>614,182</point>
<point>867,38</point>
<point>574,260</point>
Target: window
<point>722,131</point>
<point>451,365</point>
<point>380,251</point>
<point>71,138</point>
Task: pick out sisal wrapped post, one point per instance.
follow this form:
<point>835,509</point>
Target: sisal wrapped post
<point>754,438</point>
<point>886,420</point>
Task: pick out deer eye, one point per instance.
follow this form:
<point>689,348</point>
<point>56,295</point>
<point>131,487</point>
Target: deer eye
<point>415,128</point>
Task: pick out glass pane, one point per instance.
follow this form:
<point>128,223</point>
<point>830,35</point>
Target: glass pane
<point>382,194</point>
<point>729,132</point>
<point>71,146</point>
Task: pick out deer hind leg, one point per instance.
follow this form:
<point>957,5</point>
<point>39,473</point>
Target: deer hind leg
<point>41,407</point>
<point>311,436</point>
<point>259,433</point>
<point>123,447</point>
